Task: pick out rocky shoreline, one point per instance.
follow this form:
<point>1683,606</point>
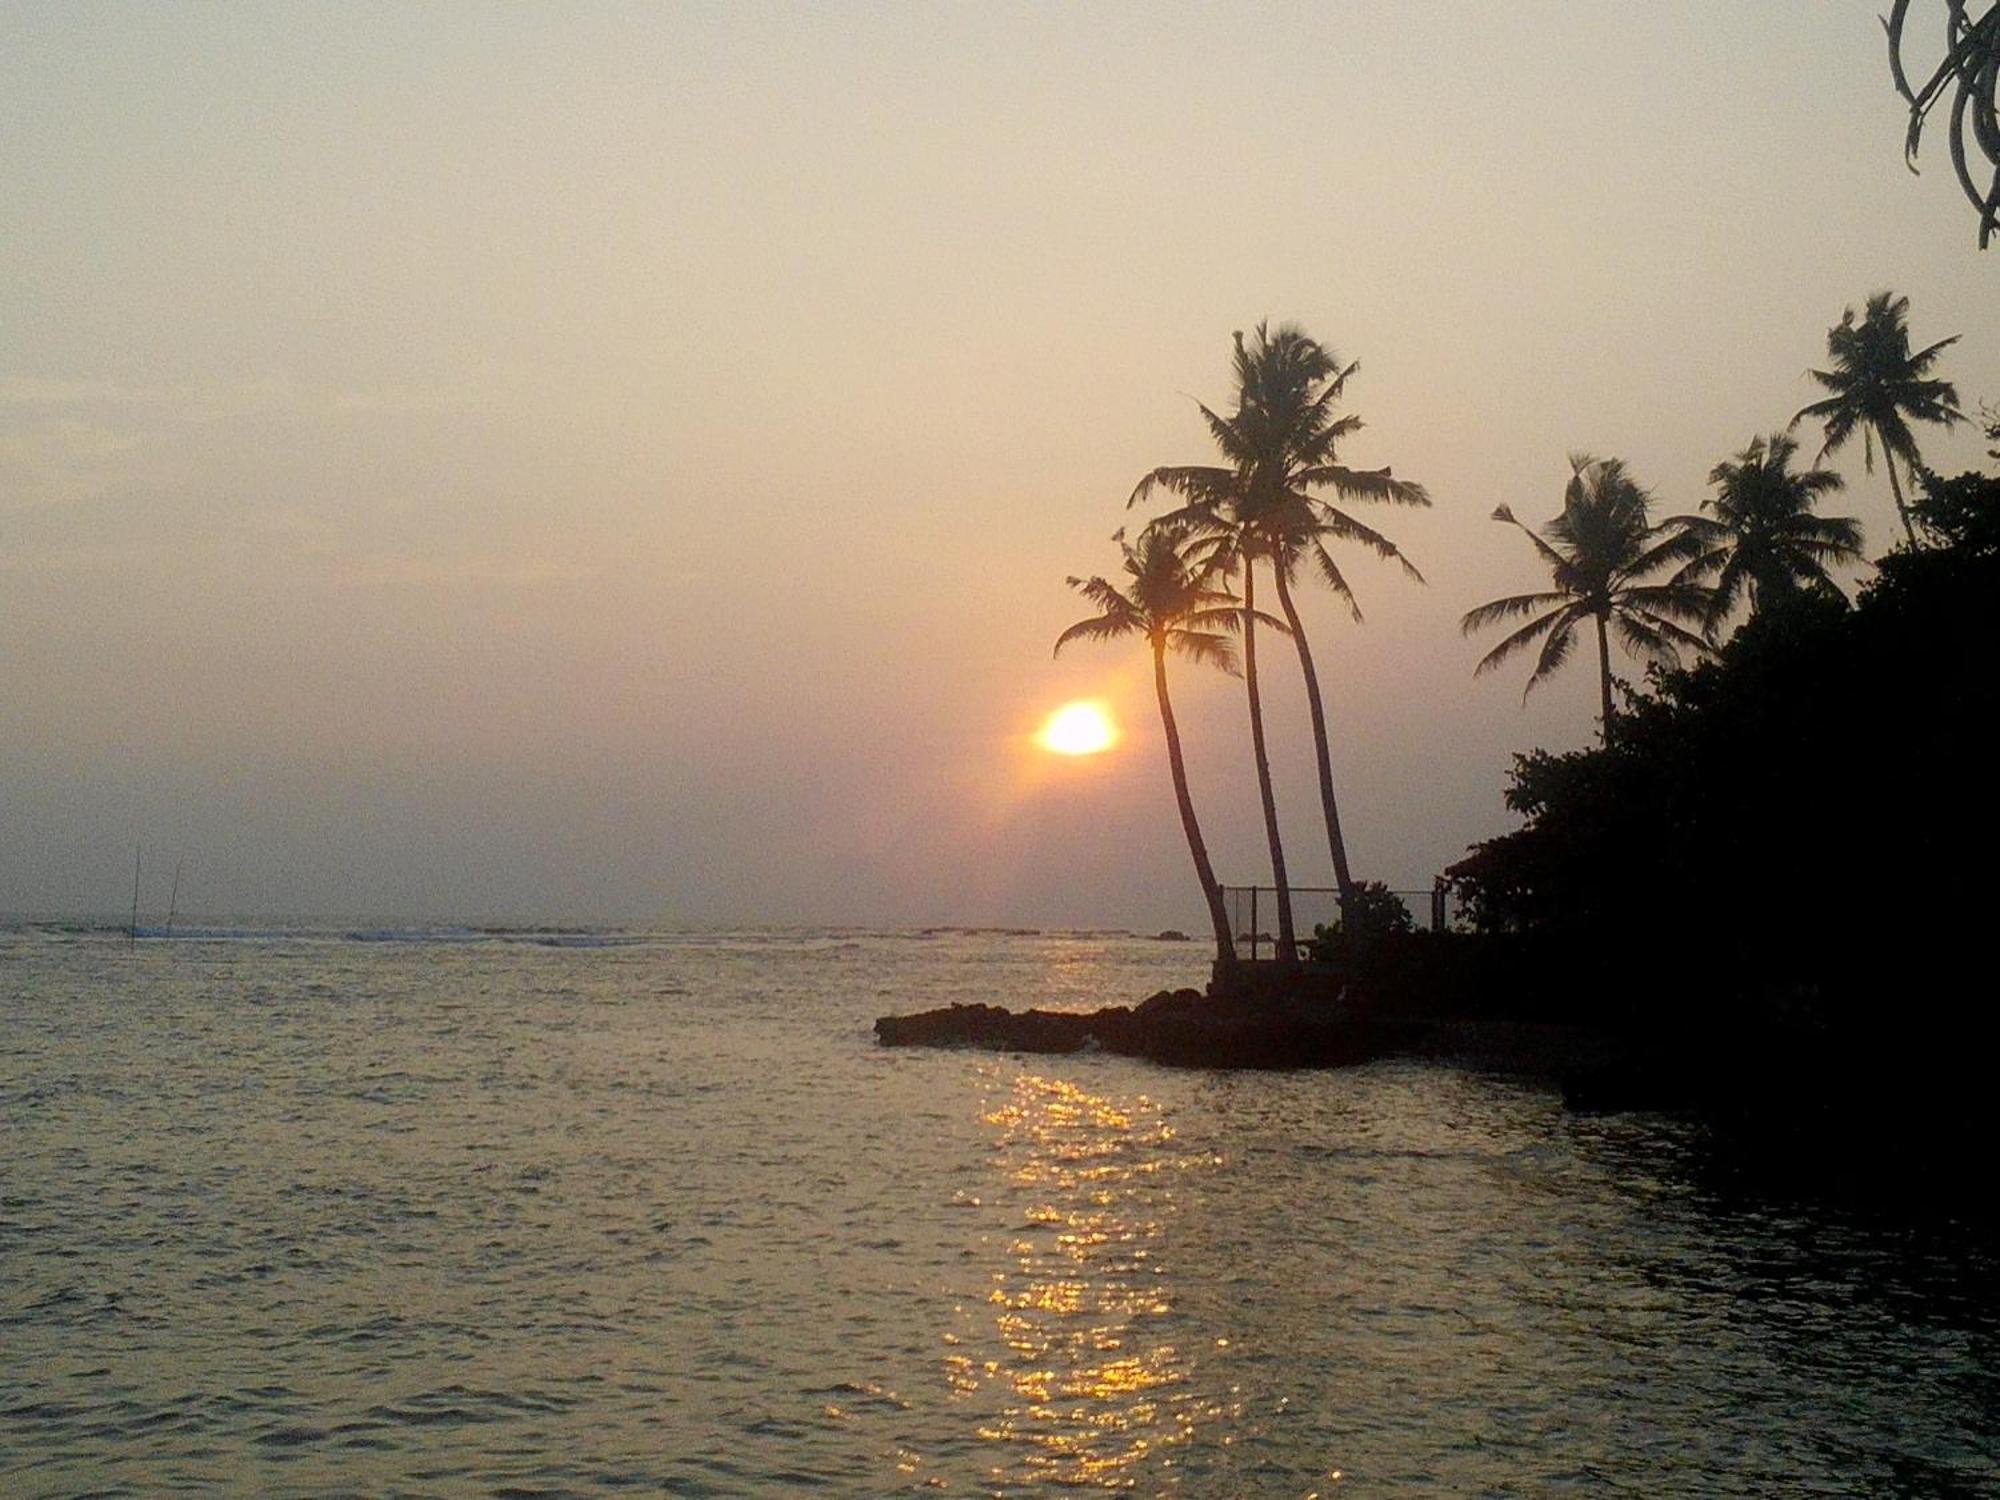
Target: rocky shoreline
<point>1186,1028</point>
<point>1759,1069</point>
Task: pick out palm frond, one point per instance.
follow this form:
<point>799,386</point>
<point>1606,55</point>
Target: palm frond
<point>1257,616</point>
<point>1202,646</point>
<point>1666,547</point>
<point>1637,635</point>
<point>1101,593</point>
<point>1549,554</point>
<point>1228,435</point>
<point>1331,576</point>
<point>1672,601</point>
<point>1339,525</point>
<point>1511,608</point>
<point>1201,484</point>
<point>1667,639</point>
<point>1555,651</point>
<point>1230,617</point>
<point>1362,484</point>
<point>1923,359</point>
<point>1562,620</point>
<point>1732,579</point>
<point>1104,627</point>
<point>1701,566</point>
<point>1831,538</point>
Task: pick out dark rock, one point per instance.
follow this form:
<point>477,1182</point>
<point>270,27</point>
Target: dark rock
<point>998,1030</point>
<point>1171,935</point>
<point>1182,1003</point>
<point>1180,1028</point>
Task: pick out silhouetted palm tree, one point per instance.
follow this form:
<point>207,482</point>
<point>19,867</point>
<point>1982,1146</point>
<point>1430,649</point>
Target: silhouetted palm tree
<point>1599,552</point>
<point>1175,606</point>
<point>1878,387</point>
<point>1281,445</point>
<point>1760,537</point>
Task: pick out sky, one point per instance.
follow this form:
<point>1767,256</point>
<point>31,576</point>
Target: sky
<point>621,462</point>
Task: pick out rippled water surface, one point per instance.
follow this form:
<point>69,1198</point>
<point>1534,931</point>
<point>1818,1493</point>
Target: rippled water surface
<point>473,1214</point>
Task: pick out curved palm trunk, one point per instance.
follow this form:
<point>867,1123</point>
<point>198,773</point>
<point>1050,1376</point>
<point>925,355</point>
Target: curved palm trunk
<point>1896,489</point>
<point>1225,946</point>
<point>1604,674</point>
<point>1336,845</point>
<point>1288,946</point>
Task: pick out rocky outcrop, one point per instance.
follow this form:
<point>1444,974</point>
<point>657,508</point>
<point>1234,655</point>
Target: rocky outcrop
<point>1179,1028</point>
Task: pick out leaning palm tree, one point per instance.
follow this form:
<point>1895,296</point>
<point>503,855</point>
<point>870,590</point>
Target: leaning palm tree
<point>1175,605</point>
<point>1878,387</point>
<point>1760,539</point>
<point>1262,506</point>
<point>1599,552</point>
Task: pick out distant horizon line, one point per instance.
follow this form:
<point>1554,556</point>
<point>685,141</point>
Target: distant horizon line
<point>196,923</point>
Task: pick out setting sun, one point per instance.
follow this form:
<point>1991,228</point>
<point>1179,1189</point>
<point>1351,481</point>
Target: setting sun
<point>1078,729</point>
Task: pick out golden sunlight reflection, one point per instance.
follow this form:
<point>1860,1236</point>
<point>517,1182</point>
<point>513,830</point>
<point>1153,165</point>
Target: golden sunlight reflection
<point>1075,1369</point>
<point>1081,728</point>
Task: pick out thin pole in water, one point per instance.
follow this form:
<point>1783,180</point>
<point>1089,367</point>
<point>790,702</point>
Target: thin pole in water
<point>132,932</point>
<point>174,901</point>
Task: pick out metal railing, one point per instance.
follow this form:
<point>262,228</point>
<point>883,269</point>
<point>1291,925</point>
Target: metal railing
<point>1253,913</point>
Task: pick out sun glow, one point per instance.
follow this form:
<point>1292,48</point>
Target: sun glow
<point>1079,729</point>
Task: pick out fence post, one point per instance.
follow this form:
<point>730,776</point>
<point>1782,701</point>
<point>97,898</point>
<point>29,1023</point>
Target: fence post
<point>1253,924</point>
<point>1437,904</point>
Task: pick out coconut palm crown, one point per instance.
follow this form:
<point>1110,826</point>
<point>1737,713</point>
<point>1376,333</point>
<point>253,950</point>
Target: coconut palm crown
<point>1175,601</point>
<point>1177,606</point>
<point>1878,387</point>
<point>1281,448</point>
<point>1760,539</point>
<point>1599,552</point>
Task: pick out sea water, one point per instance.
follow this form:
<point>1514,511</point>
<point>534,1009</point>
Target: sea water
<point>462,1212</point>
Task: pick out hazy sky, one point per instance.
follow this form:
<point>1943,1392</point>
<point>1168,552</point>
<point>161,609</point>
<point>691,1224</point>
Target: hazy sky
<point>622,460</point>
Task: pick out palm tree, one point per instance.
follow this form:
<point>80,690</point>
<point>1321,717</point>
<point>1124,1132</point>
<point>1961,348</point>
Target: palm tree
<point>1176,606</point>
<point>1878,386</point>
<point>1761,538</point>
<point>1282,446</point>
<point>1598,551</point>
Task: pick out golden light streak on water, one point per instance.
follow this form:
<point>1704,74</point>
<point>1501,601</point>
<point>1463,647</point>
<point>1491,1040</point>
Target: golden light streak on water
<point>1087,1383</point>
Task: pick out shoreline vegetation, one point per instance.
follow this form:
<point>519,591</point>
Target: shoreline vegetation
<point>1706,910</point>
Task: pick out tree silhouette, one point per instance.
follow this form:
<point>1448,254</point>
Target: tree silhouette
<point>1175,606</point>
<point>1599,551</point>
<point>1282,445</point>
<point>1878,387</point>
<point>1760,538</point>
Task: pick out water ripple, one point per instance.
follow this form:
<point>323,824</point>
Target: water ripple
<point>536,1214</point>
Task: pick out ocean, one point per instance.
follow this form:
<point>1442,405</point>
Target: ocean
<point>325,1211</point>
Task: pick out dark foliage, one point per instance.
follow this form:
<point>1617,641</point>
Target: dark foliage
<point>1370,911</point>
<point>1803,825</point>
<point>1959,515</point>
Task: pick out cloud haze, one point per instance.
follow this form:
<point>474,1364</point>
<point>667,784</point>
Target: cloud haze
<point>586,461</point>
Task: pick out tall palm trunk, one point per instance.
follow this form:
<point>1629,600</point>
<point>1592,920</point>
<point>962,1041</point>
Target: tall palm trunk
<point>1225,945</point>
<point>1604,673</point>
<point>1336,845</point>
<point>1896,489</point>
<point>1288,946</point>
